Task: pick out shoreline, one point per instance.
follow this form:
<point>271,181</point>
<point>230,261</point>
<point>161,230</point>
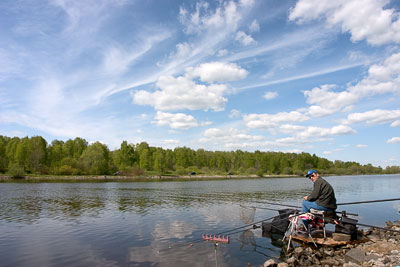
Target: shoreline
<point>149,178</point>
<point>118,178</point>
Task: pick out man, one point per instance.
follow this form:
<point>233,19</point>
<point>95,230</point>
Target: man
<point>322,196</point>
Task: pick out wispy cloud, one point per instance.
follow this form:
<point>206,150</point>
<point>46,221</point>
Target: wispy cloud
<point>382,26</point>
<point>303,76</point>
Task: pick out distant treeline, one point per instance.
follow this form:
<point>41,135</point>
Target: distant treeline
<point>20,156</point>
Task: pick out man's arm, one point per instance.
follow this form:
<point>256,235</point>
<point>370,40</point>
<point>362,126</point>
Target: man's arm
<point>315,193</point>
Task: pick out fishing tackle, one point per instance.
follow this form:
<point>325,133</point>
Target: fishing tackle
<point>217,239</point>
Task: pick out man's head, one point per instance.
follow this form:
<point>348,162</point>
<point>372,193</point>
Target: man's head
<point>312,174</point>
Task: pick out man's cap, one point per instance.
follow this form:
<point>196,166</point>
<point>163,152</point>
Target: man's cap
<point>311,172</point>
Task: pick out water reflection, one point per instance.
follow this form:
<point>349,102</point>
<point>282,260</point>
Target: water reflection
<point>125,224</point>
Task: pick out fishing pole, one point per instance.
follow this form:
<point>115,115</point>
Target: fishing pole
<point>221,233</point>
<point>297,207</point>
<point>279,204</point>
<point>261,208</point>
<point>369,201</point>
<point>380,228</point>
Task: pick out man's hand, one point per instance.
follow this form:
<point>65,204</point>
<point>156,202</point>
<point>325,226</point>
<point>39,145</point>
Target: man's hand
<point>306,198</point>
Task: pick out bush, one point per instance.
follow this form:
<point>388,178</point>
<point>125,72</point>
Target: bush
<point>67,170</point>
<point>260,173</point>
<point>132,171</point>
<point>16,171</point>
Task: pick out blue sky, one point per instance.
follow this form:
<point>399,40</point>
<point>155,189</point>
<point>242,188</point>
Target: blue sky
<point>292,76</point>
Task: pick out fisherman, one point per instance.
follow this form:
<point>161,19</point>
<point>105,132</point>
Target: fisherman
<point>322,196</point>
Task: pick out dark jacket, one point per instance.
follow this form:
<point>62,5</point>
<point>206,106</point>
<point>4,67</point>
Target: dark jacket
<point>323,194</point>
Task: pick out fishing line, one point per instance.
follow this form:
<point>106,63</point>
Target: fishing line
<point>258,246</point>
<point>279,204</point>
<point>261,208</point>
<point>255,250</point>
<point>297,207</point>
<point>369,201</point>
<point>377,227</point>
<point>221,233</point>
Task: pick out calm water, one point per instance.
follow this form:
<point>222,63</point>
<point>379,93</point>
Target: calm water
<point>126,224</point>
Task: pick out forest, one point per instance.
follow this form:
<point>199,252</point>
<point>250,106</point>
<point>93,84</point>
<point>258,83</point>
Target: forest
<point>34,156</point>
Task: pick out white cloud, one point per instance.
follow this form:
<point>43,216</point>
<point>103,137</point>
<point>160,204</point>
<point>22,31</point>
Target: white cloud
<point>244,38</point>
<point>234,139</point>
<point>206,123</point>
<point>182,93</point>
<point>171,142</point>
<point>254,27</point>
<point>222,52</point>
<point>329,152</point>
<point>314,133</point>
<point>273,120</point>
<point>234,113</point>
<point>8,65</point>
<point>183,50</point>
<point>270,95</point>
<point>382,79</point>
<point>217,72</point>
<point>230,135</point>
<point>324,101</point>
<point>395,124</point>
<point>117,59</point>
<point>225,17</point>
<point>361,146</point>
<point>175,121</point>
<point>246,3</point>
<point>383,25</point>
<point>377,116</point>
<point>394,140</point>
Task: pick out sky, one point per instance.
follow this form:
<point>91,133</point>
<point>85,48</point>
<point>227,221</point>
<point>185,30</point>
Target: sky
<point>312,76</point>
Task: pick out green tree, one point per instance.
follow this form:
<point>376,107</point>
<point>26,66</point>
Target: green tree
<point>3,155</point>
<point>37,154</point>
<point>184,157</point>
<point>169,160</point>
<point>11,149</point>
<point>95,159</point>
<point>201,158</point>
<point>159,161</point>
<point>56,154</point>
<point>125,156</point>
<point>145,160</point>
<point>75,148</point>
<point>21,153</point>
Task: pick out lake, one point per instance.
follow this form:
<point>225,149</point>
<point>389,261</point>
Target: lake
<point>153,223</point>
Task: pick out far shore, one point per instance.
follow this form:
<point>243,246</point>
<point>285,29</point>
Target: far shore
<point>146,178</point>
<point>116,178</point>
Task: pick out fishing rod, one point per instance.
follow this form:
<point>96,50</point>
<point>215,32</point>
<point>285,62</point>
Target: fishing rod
<point>297,207</point>
<point>279,204</point>
<point>250,225</point>
<point>380,228</point>
<point>369,201</point>
<point>261,208</point>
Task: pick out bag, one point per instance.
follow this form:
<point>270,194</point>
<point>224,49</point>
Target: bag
<point>280,223</point>
<point>348,229</point>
